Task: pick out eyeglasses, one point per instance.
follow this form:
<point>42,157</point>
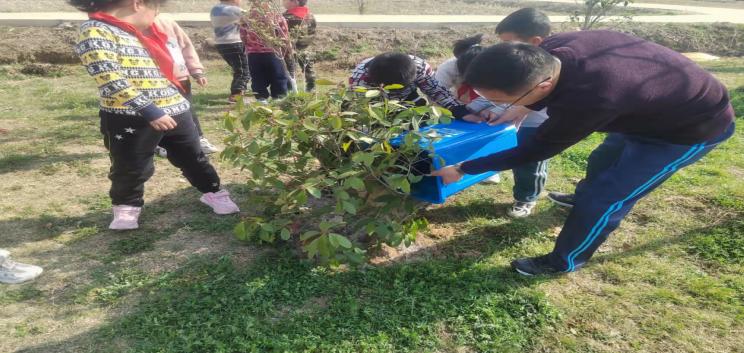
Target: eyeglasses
<point>527,93</point>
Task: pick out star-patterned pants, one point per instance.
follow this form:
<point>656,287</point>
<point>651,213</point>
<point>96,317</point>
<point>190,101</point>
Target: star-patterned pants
<point>131,142</point>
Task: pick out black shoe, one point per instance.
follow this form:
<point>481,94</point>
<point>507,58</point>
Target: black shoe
<point>561,199</point>
<point>533,266</point>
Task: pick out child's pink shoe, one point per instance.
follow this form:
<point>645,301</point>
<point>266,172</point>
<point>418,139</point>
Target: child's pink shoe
<point>125,217</point>
<point>220,202</point>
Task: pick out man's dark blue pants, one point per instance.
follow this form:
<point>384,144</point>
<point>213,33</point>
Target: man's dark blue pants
<point>621,171</point>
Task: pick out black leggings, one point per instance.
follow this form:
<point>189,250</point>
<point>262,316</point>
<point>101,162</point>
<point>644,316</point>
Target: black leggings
<point>186,84</point>
<point>131,143</point>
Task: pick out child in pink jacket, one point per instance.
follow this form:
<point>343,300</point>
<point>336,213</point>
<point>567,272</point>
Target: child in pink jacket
<point>186,64</point>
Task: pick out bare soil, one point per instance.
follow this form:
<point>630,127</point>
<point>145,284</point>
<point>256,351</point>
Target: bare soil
<point>338,48</point>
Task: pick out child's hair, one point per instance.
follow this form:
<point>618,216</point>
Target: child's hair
<point>466,50</point>
<point>391,68</point>
<point>525,23</point>
<point>301,2</point>
<point>103,5</point>
<point>509,67</point>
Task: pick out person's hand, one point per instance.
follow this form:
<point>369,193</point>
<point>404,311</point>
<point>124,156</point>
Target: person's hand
<point>473,118</point>
<point>164,123</point>
<point>202,81</point>
<point>515,116</point>
<point>450,174</point>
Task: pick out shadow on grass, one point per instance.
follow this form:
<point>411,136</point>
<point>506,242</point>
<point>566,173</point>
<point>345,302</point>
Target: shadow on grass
<point>20,162</point>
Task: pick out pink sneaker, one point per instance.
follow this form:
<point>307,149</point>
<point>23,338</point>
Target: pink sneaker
<point>220,202</point>
<point>125,217</point>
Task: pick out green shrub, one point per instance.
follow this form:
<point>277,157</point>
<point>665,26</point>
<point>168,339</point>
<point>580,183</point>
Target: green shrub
<point>324,171</point>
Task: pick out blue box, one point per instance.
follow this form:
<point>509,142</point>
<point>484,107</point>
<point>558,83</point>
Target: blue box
<point>460,141</point>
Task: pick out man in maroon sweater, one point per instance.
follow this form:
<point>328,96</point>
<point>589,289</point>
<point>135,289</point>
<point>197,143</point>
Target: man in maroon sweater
<point>661,111</point>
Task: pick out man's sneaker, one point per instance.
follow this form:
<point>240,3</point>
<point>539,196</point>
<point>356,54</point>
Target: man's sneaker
<point>207,147</point>
<point>521,209</point>
<point>561,199</point>
<point>160,151</point>
<point>533,266</point>
<point>220,202</point>
<point>495,179</point>
<point>125,217</point>
<point>12,272</point>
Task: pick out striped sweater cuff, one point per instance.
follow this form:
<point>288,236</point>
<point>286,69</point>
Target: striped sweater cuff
<point>151,112</point>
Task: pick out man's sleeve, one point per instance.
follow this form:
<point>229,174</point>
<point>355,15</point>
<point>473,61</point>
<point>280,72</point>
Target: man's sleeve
<point>561,131</point>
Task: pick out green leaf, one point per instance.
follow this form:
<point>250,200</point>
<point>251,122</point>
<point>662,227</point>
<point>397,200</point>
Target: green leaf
<point>230,123</point>
<point>405,186</point>
<point>394,86</point>
<point>372,93</point>
<point>336,122</point>
<point>363,157</point>
<point>360,89</point>
<point>313,191</point>
<point>285,234</point>
<point>312,248</point>
<point>339,240</point>
<point>349,207</point>
<point>325,226</point>
<point>309,234</point>
<point>324,82</point>
<point>435,111</point>
<point>240,231</point>
<point>309,126</point>
<point>355,183</point>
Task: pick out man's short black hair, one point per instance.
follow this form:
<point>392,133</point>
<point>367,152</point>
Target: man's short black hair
<point>525,23</point>
<point>301,2</point>
<point>391,68</point>
<point>510,67</point>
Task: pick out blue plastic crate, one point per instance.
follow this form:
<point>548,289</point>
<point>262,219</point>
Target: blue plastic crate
<point>460,141</point>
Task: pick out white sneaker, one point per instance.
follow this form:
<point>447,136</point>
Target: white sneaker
<point>220,202</point>
<point>125,217</point>
<point>207,147</point>
<point>160,151</point>
<point>12,272</point>
<point>522,209</point>
<point>495,179</point>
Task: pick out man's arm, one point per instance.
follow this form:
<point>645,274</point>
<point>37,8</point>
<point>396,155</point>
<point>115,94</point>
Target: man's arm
<point>561,131</point>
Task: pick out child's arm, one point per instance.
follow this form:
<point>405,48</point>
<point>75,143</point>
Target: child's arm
<point>196,69</point>
<point>96,48</point>
<point>438,93</point>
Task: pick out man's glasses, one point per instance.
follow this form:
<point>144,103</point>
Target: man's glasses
<point>527,93</point>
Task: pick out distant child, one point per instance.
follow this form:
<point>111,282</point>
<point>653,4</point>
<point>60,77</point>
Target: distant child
<point>449,73</point>
<point>530,178</point>
<point>186,63</point>
<point>266,38</point>
<point>302,27</point>
<point>225,18</point>
<point>140,105</point>
<point>413,73</point>
<point>449,76</point>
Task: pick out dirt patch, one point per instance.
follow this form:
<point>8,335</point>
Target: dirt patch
<point>337,48</point>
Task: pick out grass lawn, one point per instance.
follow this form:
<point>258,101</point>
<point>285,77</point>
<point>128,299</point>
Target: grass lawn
<point>670,279</point>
